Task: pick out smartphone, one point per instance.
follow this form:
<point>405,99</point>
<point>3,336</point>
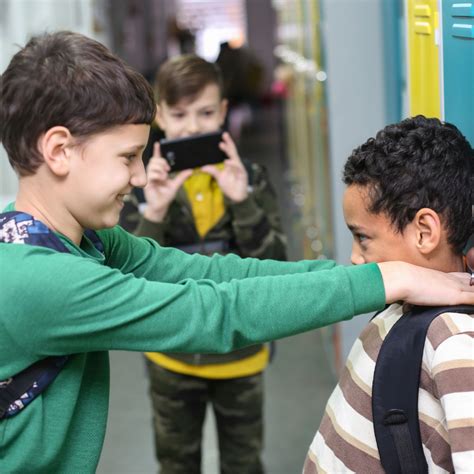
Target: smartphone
<point>193,152</point>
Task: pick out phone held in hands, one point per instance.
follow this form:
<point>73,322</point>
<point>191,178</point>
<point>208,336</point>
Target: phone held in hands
<point>193,152</point>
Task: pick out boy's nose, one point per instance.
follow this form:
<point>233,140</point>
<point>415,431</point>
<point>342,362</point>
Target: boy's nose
<point>138,177</point>
<point>192,126</point>
<point>356,256</point>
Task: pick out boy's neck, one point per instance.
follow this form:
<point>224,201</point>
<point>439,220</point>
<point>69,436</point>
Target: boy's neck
<point>447,263</point>
<point>34,199</point>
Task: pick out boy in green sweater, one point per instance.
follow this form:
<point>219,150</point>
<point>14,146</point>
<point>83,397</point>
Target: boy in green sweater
<point>74,120</point>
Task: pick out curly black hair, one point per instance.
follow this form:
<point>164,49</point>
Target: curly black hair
<point>418,162</point>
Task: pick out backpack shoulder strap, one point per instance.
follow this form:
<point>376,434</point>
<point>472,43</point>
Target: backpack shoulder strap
<point>21,389</point>
<point>22,228</point>
<point>395,391</point>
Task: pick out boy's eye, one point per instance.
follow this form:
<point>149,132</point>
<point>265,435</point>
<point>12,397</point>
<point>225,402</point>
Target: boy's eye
<point>129,157</point>
<point>361,237</point>
<point>208,113</point>
<point>177,115</point>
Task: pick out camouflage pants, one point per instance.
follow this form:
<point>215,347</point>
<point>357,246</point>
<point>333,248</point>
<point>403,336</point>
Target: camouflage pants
<point>179,408</point>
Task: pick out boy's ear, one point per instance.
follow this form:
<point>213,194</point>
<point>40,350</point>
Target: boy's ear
<point>54,145</point>
<point>159,116</point>
<point>427,226</point>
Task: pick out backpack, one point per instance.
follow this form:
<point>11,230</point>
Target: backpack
<point>395,391</point>
<point>20,390</point>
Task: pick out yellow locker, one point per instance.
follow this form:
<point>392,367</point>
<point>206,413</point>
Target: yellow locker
<point>423,57</point>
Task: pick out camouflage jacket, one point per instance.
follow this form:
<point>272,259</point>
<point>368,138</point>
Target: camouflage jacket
<point>251,228</point>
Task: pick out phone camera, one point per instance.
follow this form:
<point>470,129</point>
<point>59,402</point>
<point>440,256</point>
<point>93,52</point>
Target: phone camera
<point>170,158</point>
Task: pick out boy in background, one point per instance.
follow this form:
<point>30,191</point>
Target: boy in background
<point>74,120</point>
<point>408,198</point>
<point>227,208</point>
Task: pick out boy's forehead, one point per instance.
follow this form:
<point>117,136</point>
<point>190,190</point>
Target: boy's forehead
<point>130,135</point>
<point>356,203</point>
<point>208,95</point>
<point>356,197</point>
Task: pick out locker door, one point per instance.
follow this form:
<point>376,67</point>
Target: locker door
<point>423,57</point>
<point>458,65</point>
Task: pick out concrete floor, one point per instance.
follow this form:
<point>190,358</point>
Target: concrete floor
<point>297,383</point>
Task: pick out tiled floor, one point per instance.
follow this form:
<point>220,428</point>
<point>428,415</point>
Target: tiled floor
<point>297,383</point>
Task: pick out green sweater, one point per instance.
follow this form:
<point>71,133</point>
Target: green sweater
<point>142,297</point>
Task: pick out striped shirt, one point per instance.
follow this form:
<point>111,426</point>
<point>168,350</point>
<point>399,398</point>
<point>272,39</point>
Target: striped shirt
<point>345,441</point>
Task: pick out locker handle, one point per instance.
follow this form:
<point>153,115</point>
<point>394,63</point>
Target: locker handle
<point>462,9</point>
<point>422,10</point>
<point>462,30</point>
<point>422,28</point>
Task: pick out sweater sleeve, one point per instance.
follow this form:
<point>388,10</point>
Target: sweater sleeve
<point>79,305</point>
<point>256,221</point>
<point>144,257</point>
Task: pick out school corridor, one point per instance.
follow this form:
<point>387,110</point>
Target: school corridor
<point>297,382</point>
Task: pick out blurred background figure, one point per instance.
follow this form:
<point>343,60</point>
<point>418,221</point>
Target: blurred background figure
<point>243,74</point>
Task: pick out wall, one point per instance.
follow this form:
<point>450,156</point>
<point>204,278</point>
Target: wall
<point>352,35</point>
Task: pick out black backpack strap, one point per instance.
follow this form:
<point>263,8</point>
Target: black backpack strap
<point>20,390</point>
<point>395,391</point>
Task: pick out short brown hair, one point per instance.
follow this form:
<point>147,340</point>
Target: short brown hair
<point>66,79</point>
<point>184,77</point>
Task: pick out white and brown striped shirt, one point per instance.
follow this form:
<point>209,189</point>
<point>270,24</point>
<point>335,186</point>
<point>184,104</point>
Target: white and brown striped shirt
<point>345,441</point>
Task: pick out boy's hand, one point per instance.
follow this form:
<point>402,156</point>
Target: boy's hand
<point>425,287</point>
<point>160,190</point>
<point>233,179</point>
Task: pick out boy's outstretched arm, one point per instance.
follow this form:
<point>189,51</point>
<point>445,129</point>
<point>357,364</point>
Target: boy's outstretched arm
<point>402,281</point>
<point>78,305</point>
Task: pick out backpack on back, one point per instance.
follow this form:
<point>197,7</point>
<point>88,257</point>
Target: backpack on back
<point>395,391</point>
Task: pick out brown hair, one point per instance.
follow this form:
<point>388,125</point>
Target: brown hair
<point>184,77</point>
<point>66,79</point>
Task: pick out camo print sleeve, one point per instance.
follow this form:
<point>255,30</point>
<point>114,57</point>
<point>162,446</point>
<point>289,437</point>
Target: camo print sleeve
<point>256,221</point>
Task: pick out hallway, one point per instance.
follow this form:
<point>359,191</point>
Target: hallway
<point>297,383</point>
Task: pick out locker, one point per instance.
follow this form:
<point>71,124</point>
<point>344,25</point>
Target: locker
<point>458,65</point>
<point>423,57</point>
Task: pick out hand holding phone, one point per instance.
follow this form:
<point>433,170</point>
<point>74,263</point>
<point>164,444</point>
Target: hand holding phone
<point>232,179</point>
<point>160,189</point>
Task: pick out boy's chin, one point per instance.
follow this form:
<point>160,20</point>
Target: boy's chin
<point>106,222</point>
<point>110,223</point>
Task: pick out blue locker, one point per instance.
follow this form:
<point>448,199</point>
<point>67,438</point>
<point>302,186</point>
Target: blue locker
<point>458,64</point>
